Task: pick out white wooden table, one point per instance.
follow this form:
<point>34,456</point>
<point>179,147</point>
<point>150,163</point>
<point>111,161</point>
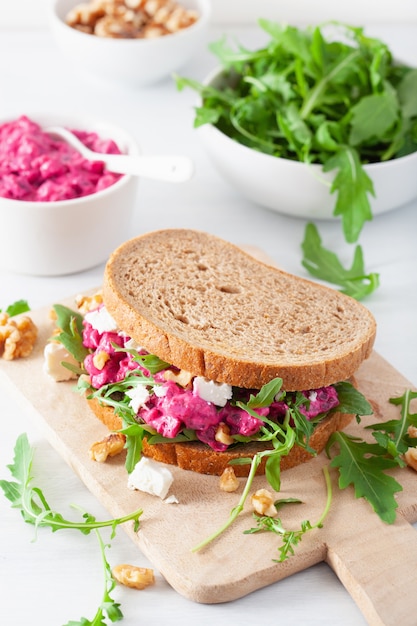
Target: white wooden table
<point>58,577</point>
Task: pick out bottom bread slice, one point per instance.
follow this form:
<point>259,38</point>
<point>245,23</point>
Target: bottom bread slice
<point>199,457</point>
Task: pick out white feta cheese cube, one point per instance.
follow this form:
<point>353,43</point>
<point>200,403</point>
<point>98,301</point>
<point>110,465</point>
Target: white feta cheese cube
<point>54,353</point>
<point>210,391</point>
<point>151,477</point>
<point>131,344</point>
<point>139,396</point>
<point>101,320</point>
<point>160,391</point>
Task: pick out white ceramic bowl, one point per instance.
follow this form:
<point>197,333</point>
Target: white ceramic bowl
<point>68,236</point>
<point>131,62</point>
<point>295,188</point>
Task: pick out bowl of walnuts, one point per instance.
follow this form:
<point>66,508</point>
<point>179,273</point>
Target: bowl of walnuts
<point>134,43</point>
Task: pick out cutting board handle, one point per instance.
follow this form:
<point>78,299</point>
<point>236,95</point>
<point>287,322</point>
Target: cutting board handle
<point>380,571</point>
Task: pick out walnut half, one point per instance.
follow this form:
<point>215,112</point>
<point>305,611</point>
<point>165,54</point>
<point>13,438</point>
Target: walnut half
<point>132,576</point>
<point>228,481</point>
<point>263,503</point>
<point>17,336</point>
<point>410,458</point>
<point>111,445</point>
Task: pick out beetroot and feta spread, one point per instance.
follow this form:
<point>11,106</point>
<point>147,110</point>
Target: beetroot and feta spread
<point>169,408</point>
<point>36,167</point>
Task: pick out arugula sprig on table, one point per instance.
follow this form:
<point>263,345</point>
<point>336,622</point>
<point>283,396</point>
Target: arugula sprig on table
<point>329,95</point>
<point>325,265</point>
<point>295,429</point>
<point>17,307</point>
<point>33,505</point>
<point>107,605</point>
<point>291,538</point>
<point>363,465</point>
<point>35,510</point>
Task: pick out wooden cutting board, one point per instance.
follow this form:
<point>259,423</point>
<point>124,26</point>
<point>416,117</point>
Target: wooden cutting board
<point>376,562</point>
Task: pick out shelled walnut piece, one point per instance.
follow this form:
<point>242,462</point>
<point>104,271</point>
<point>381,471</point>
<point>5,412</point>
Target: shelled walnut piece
<point>410,456</point>
<point>132,576</point>
<point>263,503</point>
<point>86,303</point>
<point>17,336</point>
<point>228,480</point>
<point>112,445</point>
<point>130,19</point>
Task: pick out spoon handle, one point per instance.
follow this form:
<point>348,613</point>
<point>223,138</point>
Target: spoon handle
<point>168,168</point>
<point>173,168</point>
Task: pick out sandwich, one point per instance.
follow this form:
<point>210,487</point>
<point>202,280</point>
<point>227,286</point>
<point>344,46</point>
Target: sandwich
<point>202,356</point>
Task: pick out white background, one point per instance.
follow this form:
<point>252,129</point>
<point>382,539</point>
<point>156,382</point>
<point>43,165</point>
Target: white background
<point>32,13</point>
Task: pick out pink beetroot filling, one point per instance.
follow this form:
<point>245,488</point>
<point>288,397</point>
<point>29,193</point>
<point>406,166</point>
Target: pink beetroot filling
<point>39,168</point>
<point>174,408</point>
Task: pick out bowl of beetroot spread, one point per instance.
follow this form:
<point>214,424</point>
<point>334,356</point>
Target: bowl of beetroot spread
<point>38,167</point>
<point>61,212</point>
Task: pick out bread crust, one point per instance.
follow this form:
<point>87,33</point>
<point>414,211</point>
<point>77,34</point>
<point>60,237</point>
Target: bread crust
<point>205,306</point>
<point>200,458</point>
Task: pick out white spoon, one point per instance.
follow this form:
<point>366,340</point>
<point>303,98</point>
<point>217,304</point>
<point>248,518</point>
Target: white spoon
<point>174,169</point>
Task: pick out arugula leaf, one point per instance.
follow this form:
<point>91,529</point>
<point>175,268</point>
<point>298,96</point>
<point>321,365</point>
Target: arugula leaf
<point>303,427</point>
<point>20,306</point>
<point>230,58</point>
<point>283,501</point>
<point>351,400</point>
<point>273,463</point>
<point>353,185</point>
<point>21,471</point>
<point>32,503</point>
<point>336,73</point>
<point>325,265</point>
<point>393,435</point>
<point>373,116</point>
<point>70,324</point>
<point>66,317</point>
<point>187,434</point>
<point>150,362</point>
<point>407,94</point>
<point>265,395</point>
<point>363,465</point>
<point>296,131</point>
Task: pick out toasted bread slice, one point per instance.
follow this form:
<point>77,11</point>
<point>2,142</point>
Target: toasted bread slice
<point>206,306</point>
<point>198,457</point>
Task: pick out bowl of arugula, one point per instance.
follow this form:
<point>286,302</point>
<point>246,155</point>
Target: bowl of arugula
<point>320,123</point>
